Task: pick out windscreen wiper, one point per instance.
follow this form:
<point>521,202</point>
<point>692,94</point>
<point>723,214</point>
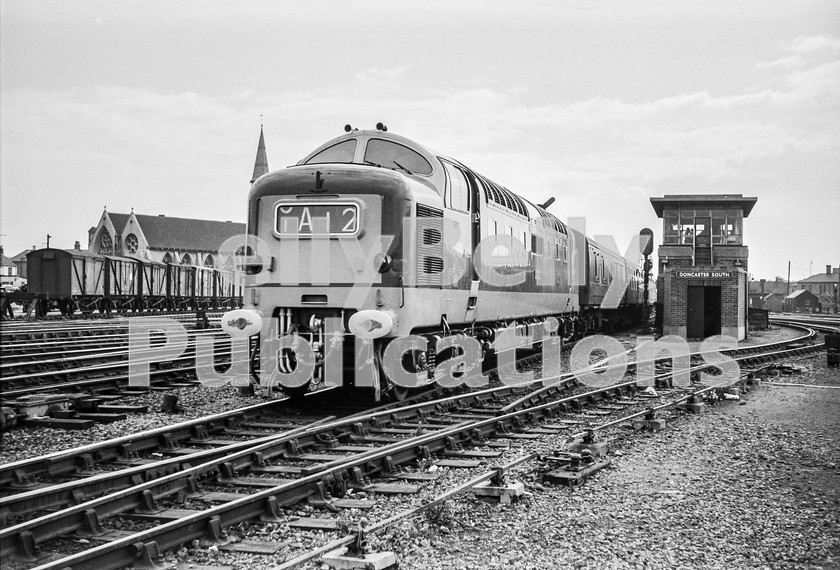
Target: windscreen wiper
<point>401,166</point>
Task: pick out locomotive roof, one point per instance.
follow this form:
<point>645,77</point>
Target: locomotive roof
<point>495,192</point>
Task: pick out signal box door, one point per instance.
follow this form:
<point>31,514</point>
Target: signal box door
<point>704,304</point>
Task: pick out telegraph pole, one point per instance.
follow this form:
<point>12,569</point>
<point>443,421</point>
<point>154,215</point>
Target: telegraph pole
<point>788,281</point>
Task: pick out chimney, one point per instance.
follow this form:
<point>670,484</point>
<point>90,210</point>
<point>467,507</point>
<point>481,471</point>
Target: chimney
<point>763,281</point>
<point>77,246</point>
<point>828,270</point>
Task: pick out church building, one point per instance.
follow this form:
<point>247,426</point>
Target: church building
<point>163,238</point>
<point>169,239</point>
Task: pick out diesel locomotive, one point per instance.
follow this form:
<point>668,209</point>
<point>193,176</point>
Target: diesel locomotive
<point>373,237</point>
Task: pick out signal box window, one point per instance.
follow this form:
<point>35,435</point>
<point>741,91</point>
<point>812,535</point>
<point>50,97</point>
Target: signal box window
<point>396,156</point>
<point>341,152</point>
<point>458,190</point>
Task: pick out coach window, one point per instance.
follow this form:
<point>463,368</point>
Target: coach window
<point>341,152</point>
<point>458,189</point>
<point>396,156</point>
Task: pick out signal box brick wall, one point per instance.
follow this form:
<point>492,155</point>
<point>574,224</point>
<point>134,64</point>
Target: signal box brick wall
<point>674,299</point>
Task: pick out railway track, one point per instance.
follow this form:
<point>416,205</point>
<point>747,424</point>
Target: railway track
<point>58,369</point>
<point>200,493</point>
<point>85,369</point>
<point>32,330</point>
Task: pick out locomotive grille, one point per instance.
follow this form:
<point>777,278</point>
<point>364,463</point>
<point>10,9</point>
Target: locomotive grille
<point>424,211</point>
<point>432,265</point>
<point>429,245</point>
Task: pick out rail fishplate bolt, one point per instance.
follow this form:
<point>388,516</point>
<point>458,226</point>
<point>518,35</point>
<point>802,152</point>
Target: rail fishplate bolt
<point>589,437</point>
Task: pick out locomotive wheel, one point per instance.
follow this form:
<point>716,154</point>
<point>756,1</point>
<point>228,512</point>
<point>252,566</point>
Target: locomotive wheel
<point>397,393</point>
<point>297,394</point>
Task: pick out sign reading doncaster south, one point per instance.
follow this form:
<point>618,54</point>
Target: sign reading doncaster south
<point>703,274</point>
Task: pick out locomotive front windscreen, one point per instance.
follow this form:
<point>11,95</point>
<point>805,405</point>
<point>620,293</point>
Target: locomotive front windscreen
<point>341,152</point>
<point>396,156</point>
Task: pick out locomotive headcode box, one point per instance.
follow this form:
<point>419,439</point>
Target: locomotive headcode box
<point>306,219</point>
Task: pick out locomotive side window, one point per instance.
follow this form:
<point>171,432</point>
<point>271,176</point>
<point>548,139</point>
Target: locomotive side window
<point>457,195</point>
<point>341,152</point>
<point>396,156</point>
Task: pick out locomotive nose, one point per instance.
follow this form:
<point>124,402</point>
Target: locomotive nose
<point>242,323</point>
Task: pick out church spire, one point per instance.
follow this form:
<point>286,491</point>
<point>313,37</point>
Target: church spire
<point>261,162</point>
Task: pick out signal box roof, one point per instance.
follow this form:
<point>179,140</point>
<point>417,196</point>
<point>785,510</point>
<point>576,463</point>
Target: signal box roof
<point>704,201</point>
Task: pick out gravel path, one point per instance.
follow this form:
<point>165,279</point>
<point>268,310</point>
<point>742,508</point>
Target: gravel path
<point>741,486</point>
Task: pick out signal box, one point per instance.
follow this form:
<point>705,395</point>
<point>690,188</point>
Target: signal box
<point>702,285</point>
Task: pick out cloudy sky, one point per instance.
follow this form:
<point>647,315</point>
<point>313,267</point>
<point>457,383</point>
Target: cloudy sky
<point>603,104</point>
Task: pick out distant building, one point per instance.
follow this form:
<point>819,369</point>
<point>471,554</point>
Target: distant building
<point>802,301</point>
<point>9,277</point>
<point>822,282</point>
<point>764,286</point>
<point>774,302</point>
<point>20,261</point>
<point>162,238</point>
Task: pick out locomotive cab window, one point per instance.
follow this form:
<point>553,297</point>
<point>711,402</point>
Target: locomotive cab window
<point>341,152</point>
<point>457,194</point>
<point>396,156</point>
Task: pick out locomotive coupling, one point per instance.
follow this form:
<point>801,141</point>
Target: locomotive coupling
<point>242,323</point>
